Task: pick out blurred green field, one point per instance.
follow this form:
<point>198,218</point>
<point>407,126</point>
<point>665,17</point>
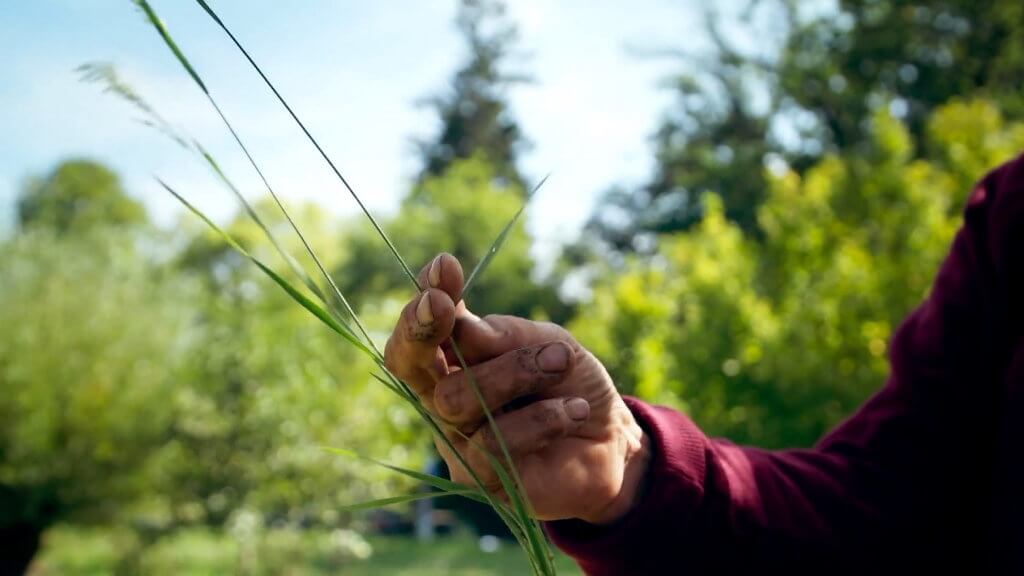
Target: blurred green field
<point>69,551</point>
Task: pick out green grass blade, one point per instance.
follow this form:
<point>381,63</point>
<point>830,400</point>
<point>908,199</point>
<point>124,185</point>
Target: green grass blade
<point>487,412</point>
<point>162,30</point>
<point>449,487</point>
<point>107,75</point>
<point>432,421</point>
<point>492,251</point>
<point>251,211</point>
<point>435,481</point>
<point>168,40</point>
<point>518,517</point>
<point>295,294</point>
<point>405,499</point>
<point>510,480</point>
<point>380,231</point>
<point>506,515</point>
<point>528,531</point>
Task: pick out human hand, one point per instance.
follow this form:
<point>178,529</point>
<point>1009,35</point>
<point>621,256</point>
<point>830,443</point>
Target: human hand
<point>576,446</point>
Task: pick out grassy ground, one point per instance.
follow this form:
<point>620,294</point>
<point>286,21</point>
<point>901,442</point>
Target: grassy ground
<point>199,552</point>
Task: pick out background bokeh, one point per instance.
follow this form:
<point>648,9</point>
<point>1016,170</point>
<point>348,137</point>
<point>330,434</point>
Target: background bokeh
<point>746,200</point>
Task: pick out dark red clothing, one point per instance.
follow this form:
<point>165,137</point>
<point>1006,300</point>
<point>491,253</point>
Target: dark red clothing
<point>927,476</point>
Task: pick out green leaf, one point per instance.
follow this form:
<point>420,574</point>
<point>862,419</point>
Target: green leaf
<point>162,30</point>
<point>511,483</point>
<point>380,231</point>
<point>492,251</point>
<point>435,481</point>
<point>380,503</point>
<point>155,20</point>
<point>296,295</point>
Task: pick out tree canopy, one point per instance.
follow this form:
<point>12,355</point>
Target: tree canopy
<point>78,195</point>
<point>806,90</point>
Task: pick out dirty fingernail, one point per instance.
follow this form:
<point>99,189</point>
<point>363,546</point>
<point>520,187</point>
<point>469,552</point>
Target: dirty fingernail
<point>553,358</point>
<point>424,315</point>
<point>577,408</point>
<point>434,274</point>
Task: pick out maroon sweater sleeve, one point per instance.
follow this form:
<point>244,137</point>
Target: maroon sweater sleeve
<point>901,483</point>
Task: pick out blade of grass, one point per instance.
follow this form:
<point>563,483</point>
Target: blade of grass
<point>446,486</point>
<point>435,481</point>
<point>107,75</point>
<point>295,294</point>
<point>530,527</point>
<point>381,502</point>
<point>510,480</point>
<point>532,533</point>
<point>492,251</point>
<point>432,420</point>
<point>514,523</point>
<point>440,483</point>
<point>169,41</point>
<point>394,251</point>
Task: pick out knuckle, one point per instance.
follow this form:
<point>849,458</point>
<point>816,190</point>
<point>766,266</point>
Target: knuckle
<point>448,400</point>
<point>547,415</point>
<point>486,440</point>
<point>467,429</point>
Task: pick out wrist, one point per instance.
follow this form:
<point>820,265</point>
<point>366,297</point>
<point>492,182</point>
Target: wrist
<point>637,462</point>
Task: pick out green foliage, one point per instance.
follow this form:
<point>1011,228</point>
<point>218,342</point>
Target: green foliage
<point>922,53</point>
<point>94,342</point>
<point>809,89</point>
<point>78,195</point>
<point>772,340</point>
<point>134,389</point>
<point>262,550</point>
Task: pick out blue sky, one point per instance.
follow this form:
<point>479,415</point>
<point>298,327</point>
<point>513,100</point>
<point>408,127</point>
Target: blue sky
<point>354,71</point>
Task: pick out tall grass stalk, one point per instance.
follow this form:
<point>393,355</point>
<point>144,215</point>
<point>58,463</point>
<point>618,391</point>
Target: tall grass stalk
<point>517,514</point>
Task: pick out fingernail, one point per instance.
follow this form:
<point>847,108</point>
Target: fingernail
<point>553,358</point>
<point>434,274</point>
<point>424,315</point>
<point>577,408</point>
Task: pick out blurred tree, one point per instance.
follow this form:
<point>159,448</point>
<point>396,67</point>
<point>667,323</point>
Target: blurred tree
<point>78,195</point>
<point>772,340</point>
<point>808,87</point>
<point>92,343</point>
<point>913,53</point>
<point>474,115</point>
